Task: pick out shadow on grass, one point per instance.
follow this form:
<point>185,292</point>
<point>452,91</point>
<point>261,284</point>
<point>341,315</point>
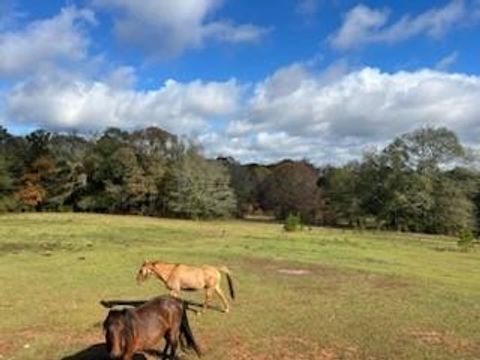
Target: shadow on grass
<point>192,305</point>
<point>112,303</point>
<point>99,352</point>
<point>94,352</point>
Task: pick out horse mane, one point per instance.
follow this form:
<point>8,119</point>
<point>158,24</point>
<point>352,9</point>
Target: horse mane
<point>127,333</point>
<point>161,274</point>
<point>156,262</point>
<point>129,330</point>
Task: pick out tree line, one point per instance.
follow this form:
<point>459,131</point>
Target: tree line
<point>423,181</point>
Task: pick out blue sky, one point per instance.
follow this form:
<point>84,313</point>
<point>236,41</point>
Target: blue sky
<point>315,79</point>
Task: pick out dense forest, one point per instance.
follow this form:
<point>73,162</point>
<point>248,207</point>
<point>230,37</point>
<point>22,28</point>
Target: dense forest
<point>423,181</point>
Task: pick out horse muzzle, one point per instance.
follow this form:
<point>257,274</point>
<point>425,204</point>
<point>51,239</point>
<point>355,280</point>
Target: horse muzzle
<point>115,354</point>
<point>114,349</point>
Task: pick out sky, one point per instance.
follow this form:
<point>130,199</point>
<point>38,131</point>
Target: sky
<point>322,80</point>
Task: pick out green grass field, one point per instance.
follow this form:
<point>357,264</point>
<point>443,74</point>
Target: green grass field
<point>360,295</point>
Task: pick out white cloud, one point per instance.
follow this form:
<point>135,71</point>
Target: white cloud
<point>296,112</point>
<point>123,77</point>
<point>228,32</point>
<point>165,29</point>
<point>363,25</point>
<point>58,101</point>
<point>445,63</point>
<point>359,26</point>
<point>44,41</point>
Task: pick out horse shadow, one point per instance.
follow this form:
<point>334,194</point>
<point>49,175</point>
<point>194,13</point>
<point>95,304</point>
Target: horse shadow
<point>99,352</point>
<point>94,352</point>
<point>192,305</point>
<point>112,303</point>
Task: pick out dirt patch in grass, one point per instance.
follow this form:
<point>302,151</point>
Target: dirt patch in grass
<point>272,266</point>
<point>448,341</point>
<point>389,282</point>
<point>6,348</point>
<point>294,271</point>
<point>45,248</point>
<point>290,348</point>
<point>328,277</point>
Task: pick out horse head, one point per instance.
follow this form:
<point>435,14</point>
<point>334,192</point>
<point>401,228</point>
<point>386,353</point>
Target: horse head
<point>118,329</point>
<point>145,271</point>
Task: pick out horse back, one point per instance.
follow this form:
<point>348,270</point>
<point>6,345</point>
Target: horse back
<point>195,277</point>
<point>159,307</point>
<point>156,317</point>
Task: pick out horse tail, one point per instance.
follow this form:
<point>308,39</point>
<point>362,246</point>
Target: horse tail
<point>186,332</point>
<point>228,275</point>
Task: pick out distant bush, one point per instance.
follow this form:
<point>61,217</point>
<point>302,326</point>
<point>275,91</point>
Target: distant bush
<point>7,204</point>
<point>465,240</point>
<point>293,223</point>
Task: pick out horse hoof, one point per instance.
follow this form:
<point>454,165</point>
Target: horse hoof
<point>226,311</point>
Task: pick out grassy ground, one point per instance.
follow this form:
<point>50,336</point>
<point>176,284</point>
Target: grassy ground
<point>361,295</point>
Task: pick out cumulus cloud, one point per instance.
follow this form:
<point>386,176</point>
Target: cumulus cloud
<point>297,113</point>
<point>43,41</point>
<point>122,77</point>
<point>165,29</point>
<point>328,117</point>
<point>58,101</point>
<point>363,25</point>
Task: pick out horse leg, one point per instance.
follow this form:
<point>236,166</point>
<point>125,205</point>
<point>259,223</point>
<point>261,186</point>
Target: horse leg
<point>175,291</point>
<point>208,296</point>
<point>167,346</point>
<point>222,297</point>
<point>174,288</point>
<point>173,340</point>
<point>129,351</point>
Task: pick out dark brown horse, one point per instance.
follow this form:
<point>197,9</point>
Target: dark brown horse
<point>129,331</point>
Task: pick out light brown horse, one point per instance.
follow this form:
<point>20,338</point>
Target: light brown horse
<point>178,277</point>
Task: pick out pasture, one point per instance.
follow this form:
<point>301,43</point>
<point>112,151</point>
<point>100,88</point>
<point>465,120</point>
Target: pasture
<point>318,294</point>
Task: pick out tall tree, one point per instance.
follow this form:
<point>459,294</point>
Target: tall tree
<point>246,181</point>
<point>198,188</point>
<point>428,149</point>
<point>341,190</point>
<point>420,189</point>
<point>292,188</point>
